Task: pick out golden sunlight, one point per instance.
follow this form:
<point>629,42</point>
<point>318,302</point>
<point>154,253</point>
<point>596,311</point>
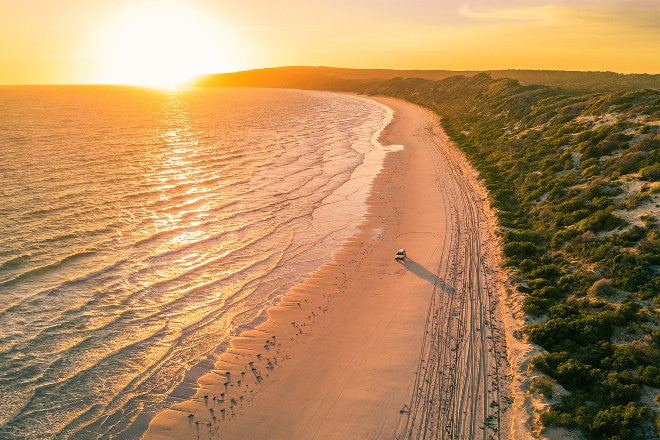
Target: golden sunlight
<point>165,44</point>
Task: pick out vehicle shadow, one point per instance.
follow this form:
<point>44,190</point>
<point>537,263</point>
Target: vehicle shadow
<point>426,274</point>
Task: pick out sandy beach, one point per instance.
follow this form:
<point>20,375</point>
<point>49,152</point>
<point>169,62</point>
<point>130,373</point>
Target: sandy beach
<point>370,347</point>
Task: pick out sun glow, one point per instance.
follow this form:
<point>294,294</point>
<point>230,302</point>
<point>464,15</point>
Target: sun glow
<point>166,45</point>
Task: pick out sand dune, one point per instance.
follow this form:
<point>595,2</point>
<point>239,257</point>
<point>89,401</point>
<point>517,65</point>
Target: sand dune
<point>373,348</point>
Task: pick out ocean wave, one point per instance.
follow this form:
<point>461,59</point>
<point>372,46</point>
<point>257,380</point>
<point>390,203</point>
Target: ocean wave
<point>164,227</point>
<point>56,265</point>
<point>15,261</point>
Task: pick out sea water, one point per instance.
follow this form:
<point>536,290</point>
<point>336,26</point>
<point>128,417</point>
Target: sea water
<point>140,230</point>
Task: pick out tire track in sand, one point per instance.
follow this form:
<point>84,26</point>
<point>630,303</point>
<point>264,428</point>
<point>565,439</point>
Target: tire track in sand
<point>460,390</point>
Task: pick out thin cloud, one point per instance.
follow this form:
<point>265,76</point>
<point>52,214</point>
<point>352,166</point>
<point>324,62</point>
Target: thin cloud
<point>534,13</point>
<point>637,17</point>
<point>642,17</point>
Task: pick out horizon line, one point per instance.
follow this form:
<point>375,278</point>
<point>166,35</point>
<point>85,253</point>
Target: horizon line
<point>190,82</point>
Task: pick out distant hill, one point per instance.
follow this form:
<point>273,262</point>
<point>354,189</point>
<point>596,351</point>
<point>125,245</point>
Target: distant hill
<point>325,78</point>
<point>332,78</point>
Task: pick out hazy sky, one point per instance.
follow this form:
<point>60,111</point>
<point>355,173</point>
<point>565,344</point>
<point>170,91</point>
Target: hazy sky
<point>142,41</point>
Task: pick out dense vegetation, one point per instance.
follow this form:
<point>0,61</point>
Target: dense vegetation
<point>564,169</point>
<point>573,173</point>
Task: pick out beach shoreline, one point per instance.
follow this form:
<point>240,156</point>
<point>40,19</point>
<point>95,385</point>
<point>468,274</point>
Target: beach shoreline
<point>339,355</point>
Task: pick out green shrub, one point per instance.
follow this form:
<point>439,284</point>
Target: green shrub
<point>535,305</point>
<point>630,356</point>
<point>628,163</point>
<point>547,271</point>
<point>650,289</point>
<point>631,236</point>
<point>543,385</point>
<point>522,235</point>
<point>627,312</point>
<point>563,311</point>
<point>554,417</point>
<point>547,363</point>
<point>562,236</point>
<point>601,221</point>
<point>520,250</point>
<point>628,271</point>
<point>619,389</point>
<point>650,376</point>
<point>568,283</point>
<point>617,421</point>
<point>576,375</point>
<point>574,331</point>
<point>650,173</point>
<point>649,250</point>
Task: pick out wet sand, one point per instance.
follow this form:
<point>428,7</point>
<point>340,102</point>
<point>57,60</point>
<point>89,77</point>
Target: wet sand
<point>370,347</point>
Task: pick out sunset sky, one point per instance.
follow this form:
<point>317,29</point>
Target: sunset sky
<point>165,41</point>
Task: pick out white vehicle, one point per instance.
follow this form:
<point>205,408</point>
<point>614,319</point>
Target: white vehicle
<point>400,254</point>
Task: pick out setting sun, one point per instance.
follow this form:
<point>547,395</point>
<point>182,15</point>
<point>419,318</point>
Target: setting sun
<point>165,46</point>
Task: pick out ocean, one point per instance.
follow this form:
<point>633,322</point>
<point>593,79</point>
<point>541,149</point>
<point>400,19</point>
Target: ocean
<point>142,229</point>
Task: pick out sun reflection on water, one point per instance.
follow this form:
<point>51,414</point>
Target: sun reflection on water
<point>178,144</point>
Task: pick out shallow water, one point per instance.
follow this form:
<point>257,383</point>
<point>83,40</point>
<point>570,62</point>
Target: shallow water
<point>143,229</point>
